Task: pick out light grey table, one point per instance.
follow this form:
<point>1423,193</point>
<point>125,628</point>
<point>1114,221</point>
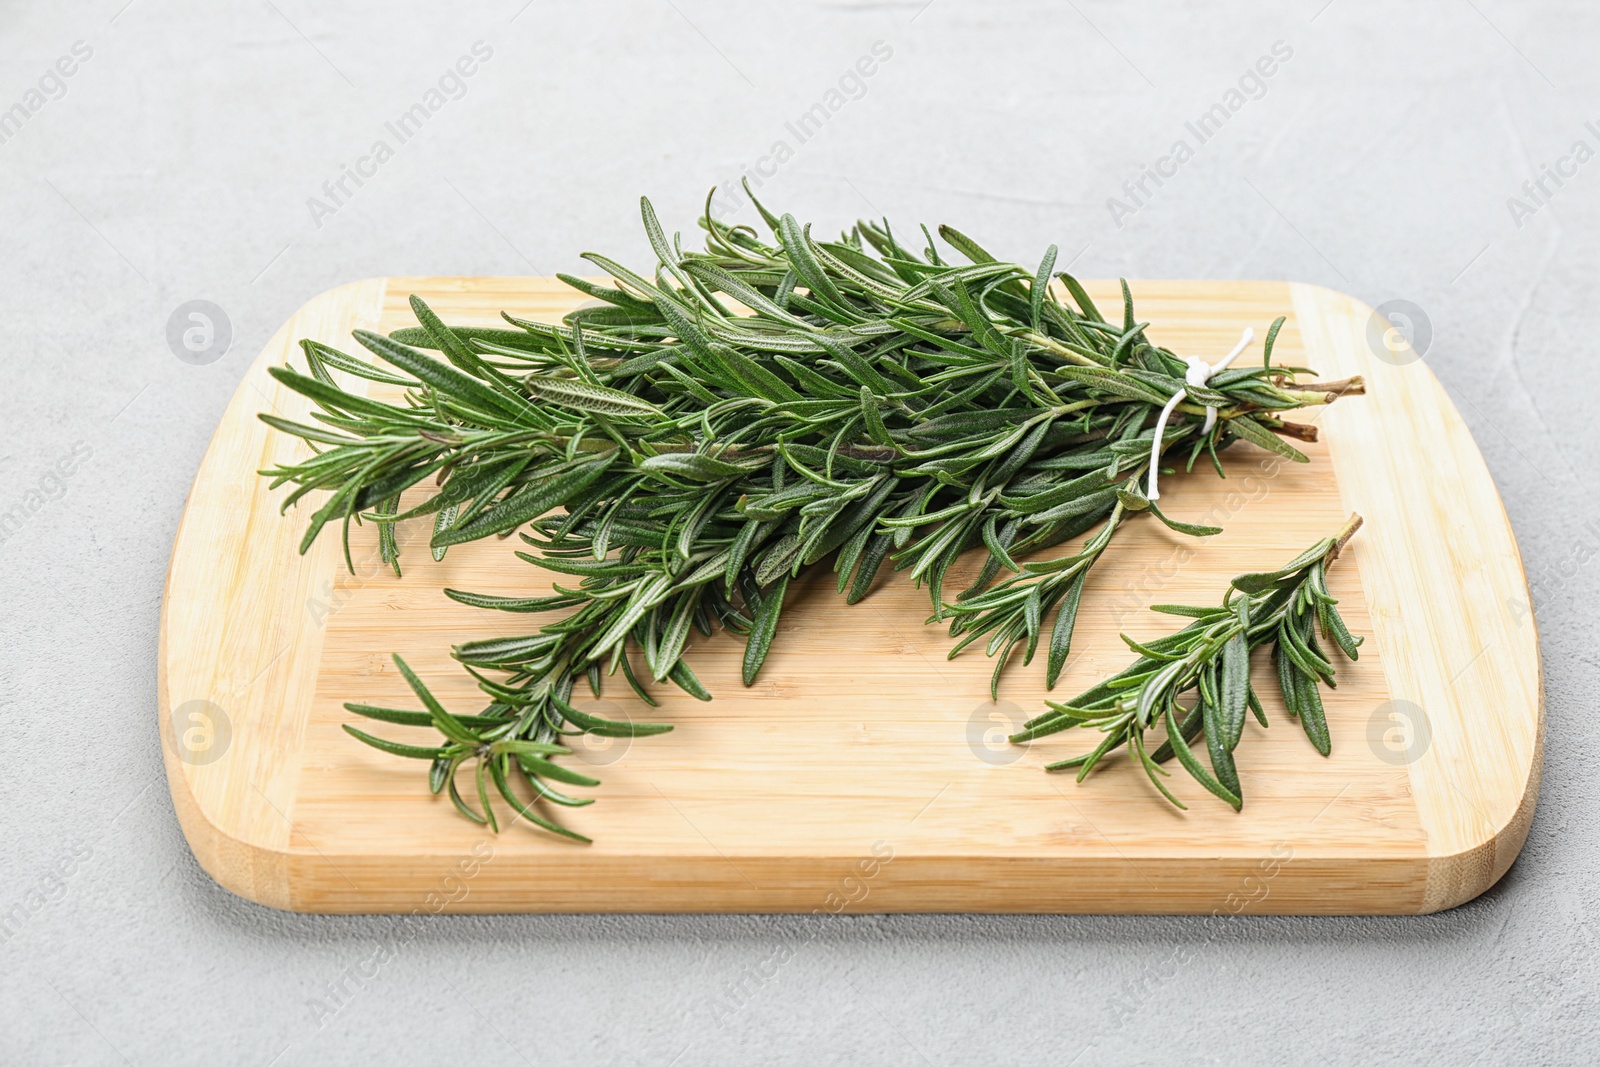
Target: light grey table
<point>195,152</point>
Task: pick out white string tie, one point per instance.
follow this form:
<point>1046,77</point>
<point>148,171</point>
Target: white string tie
<point>1198,374</point>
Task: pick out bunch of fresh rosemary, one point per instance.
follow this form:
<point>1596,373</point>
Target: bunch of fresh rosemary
<point>1211,657</point>
<point>743,413</point>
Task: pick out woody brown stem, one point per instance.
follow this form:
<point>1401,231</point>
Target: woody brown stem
<point>1348,531</point>
<point>1298,430</point>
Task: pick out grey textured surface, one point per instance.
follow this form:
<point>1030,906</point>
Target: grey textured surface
<point>176,163</point>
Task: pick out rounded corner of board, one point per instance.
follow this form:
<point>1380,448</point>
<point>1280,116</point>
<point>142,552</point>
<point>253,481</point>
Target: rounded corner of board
<point>1464,876</point>
<point>341,295</point>
<point>248,871</point>
<point>1327,296</point>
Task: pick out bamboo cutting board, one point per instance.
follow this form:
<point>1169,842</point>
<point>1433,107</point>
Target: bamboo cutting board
<point>865,771</point>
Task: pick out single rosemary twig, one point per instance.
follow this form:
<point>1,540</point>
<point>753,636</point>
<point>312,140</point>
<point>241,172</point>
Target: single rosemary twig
<point>684,450</point>
<point>1211,658</point>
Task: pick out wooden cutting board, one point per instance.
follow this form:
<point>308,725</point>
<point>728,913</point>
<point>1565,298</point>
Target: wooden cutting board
<point>865,771</point>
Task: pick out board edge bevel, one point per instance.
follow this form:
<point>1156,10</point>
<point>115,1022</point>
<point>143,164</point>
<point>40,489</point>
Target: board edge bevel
<point>245,867</point>
<point>1456,877</point>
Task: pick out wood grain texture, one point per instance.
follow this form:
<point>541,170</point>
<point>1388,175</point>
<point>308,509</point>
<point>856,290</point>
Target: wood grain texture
<point>864,770</point>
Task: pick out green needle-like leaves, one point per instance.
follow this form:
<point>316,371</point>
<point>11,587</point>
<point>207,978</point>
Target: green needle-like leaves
<point>679,454</point>
<point>1211,659</point>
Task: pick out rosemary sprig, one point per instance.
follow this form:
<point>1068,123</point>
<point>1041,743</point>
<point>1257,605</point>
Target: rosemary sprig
<point>749,411</point>
<point>1211,658</point>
